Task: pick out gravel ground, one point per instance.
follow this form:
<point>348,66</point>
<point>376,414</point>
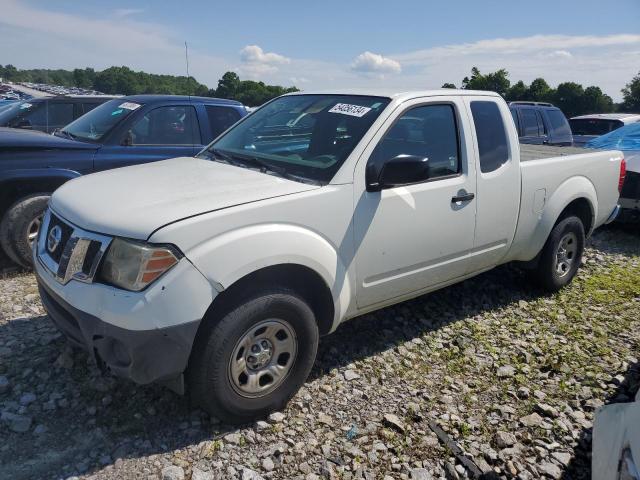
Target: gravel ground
<point>510,375</point>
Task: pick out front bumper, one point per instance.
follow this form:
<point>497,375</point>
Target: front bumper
<point>143,336</point>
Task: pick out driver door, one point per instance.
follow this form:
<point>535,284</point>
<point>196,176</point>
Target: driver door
<point>414,237</point>
<point>167,131</point>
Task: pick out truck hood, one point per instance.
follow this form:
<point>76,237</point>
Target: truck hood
<point>135,201</point>
<point>19,138</point>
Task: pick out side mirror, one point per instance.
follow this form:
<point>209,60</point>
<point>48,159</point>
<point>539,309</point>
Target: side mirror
<point>400,170</point>
<point>128,139</point>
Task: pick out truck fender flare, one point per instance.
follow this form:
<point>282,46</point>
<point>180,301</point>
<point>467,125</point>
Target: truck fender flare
<point>572,189</point>
<point>229,257</point>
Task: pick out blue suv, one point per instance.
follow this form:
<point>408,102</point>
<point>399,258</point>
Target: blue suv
<point>123,131</point>
<point>540,123</point>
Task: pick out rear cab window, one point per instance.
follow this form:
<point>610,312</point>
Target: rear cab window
<point>559,123</point>
<point>221,118</point>
<point>593,126</point>
<point>491,135</point>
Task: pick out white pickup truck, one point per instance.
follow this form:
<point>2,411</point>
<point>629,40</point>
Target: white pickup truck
<point>219,273</point>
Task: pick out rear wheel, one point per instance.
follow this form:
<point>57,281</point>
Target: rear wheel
<point>20,226</point>
<point>561,255</point>
<point>255,358</point>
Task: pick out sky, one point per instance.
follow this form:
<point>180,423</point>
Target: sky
<point>329,44</point>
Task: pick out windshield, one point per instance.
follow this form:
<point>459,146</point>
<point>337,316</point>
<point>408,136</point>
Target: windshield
<point>17,112</point>
<point>307,136</point>
<point>593,126</point>
<point>94,125</point>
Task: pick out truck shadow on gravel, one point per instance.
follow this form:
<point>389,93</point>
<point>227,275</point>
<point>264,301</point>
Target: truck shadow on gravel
<point>82,421</point>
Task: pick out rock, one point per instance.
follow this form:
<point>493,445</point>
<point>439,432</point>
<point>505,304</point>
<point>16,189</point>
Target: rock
<point>547,410</point>
<point>549,469</point>
<point>234,438</point>
<point>27,398</point>
<point>267,464</point>
<point>172,472</point>
<point>64,360</point>
<point>248,474</point>
<point>4,384</point>
<point>524,392</point>
<point>261,426</point>
<point>506,371</point>
<point>39,430</point>
<point>277,417</point>
<point>197,474</point>
<point>420,474</point>
<point>350,375</point>
<point>563,457</point>
<point>325,419</point>
<point>17,423</point>
<point>504,439</point>
<point>533,420</point>
<point>393,421</point>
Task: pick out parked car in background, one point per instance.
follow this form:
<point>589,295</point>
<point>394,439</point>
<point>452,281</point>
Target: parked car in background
<point>587,127</point>
<point>223,270</point>
<point>120,132</point>
<point>48,114</point>
<point>627,140</point>
<point>540,123</point>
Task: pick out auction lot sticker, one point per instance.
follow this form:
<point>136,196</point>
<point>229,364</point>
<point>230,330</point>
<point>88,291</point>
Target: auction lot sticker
<point>348,109</point>
<point>129,105</point>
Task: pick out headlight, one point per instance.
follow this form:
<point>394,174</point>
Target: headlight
<point>134,265</point>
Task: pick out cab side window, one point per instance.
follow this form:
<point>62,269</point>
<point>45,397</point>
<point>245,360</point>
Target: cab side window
<point>529,122</point>
<point>491,135</point>
<point>170,125</point>
<point>221,118</point>
<point>60,114</point>
<point>428,131</point>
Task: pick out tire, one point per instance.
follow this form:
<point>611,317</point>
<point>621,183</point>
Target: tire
<point>19,227</point>
<point>220,376</point>
<point>561,255</point>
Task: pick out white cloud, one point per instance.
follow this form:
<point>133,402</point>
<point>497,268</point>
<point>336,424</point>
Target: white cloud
<point>559,54</point>
<point>373,63</point>
<point>256,62</point>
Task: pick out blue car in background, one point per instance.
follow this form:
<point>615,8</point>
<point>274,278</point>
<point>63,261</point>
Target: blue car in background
<point>120,132</point>
<point>626,139</point>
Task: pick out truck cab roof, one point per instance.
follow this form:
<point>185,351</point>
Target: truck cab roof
<point>148,99</point>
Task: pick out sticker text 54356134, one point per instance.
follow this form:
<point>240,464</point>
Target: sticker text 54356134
<point>348,109</point>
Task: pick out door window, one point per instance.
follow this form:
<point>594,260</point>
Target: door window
<point>175,125</point>
<point>491,135</point>
<point>221,118</point>
<point>428,131</point>
<point>60,114</point>
<point>529,122</point>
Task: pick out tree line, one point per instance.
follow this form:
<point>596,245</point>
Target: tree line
<point>572,98</point>
<point>124,81</point>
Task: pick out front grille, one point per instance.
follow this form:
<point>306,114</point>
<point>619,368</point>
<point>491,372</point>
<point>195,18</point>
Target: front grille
<point>631,186</point>
<point>70,252</point>
<point>66,234</point>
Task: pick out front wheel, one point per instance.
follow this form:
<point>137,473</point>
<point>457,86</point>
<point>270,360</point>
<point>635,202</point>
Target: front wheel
<point>20,226</point>
<point>255,358</point>
<point>561,255</point>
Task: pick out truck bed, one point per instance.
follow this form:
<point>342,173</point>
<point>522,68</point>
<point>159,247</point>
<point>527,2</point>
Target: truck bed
<point>538,152</point>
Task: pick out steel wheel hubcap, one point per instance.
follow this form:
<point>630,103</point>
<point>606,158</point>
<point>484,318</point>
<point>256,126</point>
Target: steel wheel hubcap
<point>566,253</point>
<point>262,358</point>
<point>33,229</point>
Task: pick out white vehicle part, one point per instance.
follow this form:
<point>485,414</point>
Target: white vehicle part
<point>229,244</point>
<point>615,429</point>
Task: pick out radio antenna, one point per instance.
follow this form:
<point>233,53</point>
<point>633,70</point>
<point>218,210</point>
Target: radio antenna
<point>186,57</point>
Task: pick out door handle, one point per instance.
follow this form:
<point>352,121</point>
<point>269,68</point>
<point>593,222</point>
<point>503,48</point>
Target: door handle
<point>465,197</point>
